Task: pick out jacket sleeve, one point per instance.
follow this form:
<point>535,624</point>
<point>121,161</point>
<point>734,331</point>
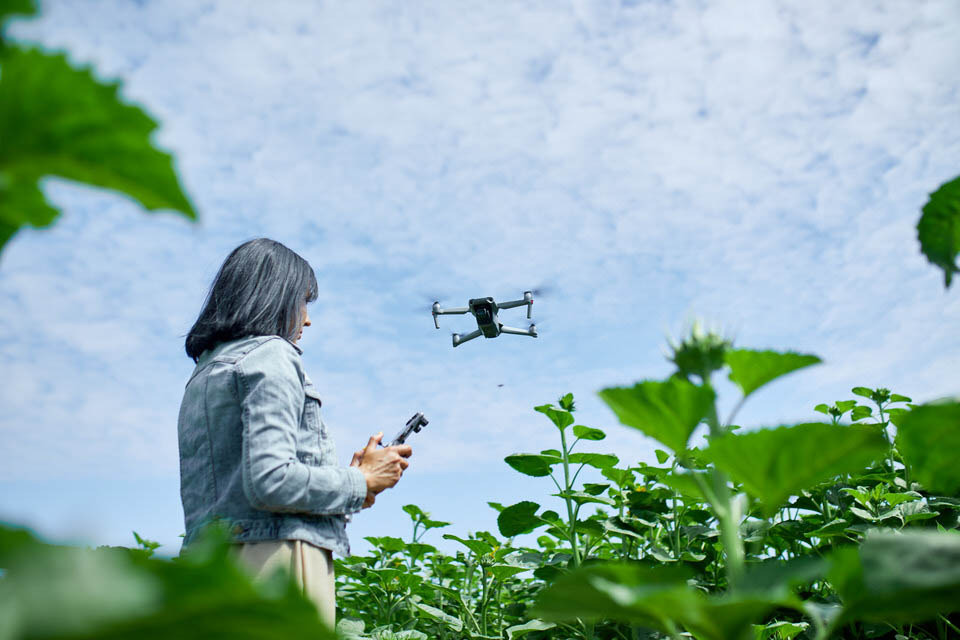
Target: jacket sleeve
<point>271,403</point>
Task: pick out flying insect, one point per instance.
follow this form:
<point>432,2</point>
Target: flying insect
<point>488,324</point>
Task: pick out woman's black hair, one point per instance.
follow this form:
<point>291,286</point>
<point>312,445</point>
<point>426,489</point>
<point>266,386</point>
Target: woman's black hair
<point>260,290</point>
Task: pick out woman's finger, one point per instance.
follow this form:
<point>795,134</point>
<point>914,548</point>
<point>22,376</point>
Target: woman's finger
<point>374,440</point>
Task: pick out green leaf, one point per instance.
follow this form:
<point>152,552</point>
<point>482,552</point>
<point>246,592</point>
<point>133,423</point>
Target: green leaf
<point>595,488</point>
<point>896,397</point>
<point>683,483</point>
<point>845,405</point>
<point>531,464</point>
<point>504,571</point>
<point>622,477</point>
<point>560,418</point>
<point>822,408</point>
<point>773,464</point>
<point>519,630</point>
<point>519,518</point>
<point>862,391</point>
<point>835,527</point>
<point>56,120</point>
<point>476,546</point>
<point>415,512</point>
<point>588,433</point>
<point>779,630</point>
<point>893,499</point>
<point>581,497</point>
<point>938,229</point>
<point>387,543</point>
<point>928,438</point>
<point>860,412</point>
<point>655,598</point>
<point>350,628</point>
<point>15,7</point>
<point>438,614</point>
<point>595,460</point>
<point>896,415</point>
<point>751,369</point>
<point>666,411</point>
<point>662,456</point>
<point>901,577</point>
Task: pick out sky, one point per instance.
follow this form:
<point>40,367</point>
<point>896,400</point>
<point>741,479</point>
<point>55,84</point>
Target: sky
<point>757,164</point>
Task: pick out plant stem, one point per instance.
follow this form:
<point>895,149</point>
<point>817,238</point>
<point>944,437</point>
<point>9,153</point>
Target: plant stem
<point>724,508</point>
<point>571,517</point>
<point>949,624</point>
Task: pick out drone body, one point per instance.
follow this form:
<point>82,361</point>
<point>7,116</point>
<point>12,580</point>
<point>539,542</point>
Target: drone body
<point>488,323</point>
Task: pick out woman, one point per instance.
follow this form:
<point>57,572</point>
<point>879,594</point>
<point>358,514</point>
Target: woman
<point>254,451</point>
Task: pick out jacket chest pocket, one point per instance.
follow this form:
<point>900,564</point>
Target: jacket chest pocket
<point>313,432</point>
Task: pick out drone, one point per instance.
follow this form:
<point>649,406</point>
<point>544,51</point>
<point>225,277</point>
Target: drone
<point>485,311</point>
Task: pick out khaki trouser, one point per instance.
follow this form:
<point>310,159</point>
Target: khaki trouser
<point>311,566</point>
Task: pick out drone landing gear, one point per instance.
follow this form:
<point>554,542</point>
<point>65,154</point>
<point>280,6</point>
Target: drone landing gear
<point>532,332</point>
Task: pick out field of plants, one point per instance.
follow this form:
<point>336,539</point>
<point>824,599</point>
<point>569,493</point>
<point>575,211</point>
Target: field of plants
<point>841,528</point>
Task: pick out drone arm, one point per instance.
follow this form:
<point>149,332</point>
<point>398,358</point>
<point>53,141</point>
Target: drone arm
<point>527,300</point>
<point>532,331</point>
<point>458,339</point>
<point>437,311</point>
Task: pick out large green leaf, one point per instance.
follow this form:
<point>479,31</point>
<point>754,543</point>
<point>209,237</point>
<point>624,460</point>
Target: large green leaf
<point>531,464</point>
<point>657,598</point>
<point>56,120</point>
<point>928,438</point>
<point>751,369</point>
<point>899,577</point>
<point>774,464</point>
<point>938,229</point>
<point>519,518</point>
<point>116,593</point>
<point>666,411</point>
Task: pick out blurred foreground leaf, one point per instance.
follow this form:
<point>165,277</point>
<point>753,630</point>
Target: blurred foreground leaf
<point>774,464</point>
<point>899,577</point>
<point>666,411</point>
<point>659,598</point>
<point>928,438</point>
<point>115,593</point>
<point>751,369</point>
<point>56,120</point>
<point>939,229</point>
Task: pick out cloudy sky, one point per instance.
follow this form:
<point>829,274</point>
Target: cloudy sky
<point>759,164</point>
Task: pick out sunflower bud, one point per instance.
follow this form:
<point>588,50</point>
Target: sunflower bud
<point>700,353</point>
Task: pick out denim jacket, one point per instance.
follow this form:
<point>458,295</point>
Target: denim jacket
<point>255,452</point>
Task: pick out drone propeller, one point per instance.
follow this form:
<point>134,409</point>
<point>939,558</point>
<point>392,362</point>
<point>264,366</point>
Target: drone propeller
<point>542,291</point>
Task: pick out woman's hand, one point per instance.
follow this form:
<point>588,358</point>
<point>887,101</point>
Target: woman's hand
<point>371,498</point>
<point>382,468</point>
